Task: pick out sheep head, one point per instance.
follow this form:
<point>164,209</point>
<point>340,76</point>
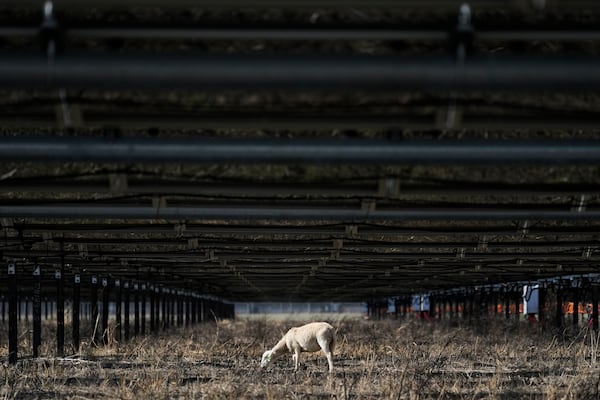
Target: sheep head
<point>266,358</point>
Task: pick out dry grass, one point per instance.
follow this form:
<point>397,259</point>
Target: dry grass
<point>386,359</point>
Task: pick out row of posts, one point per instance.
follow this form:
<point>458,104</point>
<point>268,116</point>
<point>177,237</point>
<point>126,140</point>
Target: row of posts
<point>449,305</point>
<point>163,307</point>
<point>470,304</point>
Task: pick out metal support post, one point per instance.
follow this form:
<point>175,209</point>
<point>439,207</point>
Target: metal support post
<point>558,320</point>
<point>127,305</point>
<point>165,306</point>
<point>118,310</point>
<point>76,310</point>
<point>37,309</point>
<point>152,308</point>
<point>157,298</point>
<point>173,300</point>
<point>136,309</point>
<point>94,304</point>
<point>143,309</point>
<point>179,309</point>
<point>26,312</point>
<point>576,307</point>
<point>188,307</point>
<point>12,313</point>
<point>595,295</point>
<point>60,310</point>
<point>105,309</point>
<point>194,302</point>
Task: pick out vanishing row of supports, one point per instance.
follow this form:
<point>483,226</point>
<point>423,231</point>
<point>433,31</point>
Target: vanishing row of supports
<point>464,304</point>
<point>116,309</point>
<point>546,303</point>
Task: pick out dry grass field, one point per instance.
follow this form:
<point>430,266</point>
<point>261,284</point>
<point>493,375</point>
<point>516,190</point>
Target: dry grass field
<point>374,360</point>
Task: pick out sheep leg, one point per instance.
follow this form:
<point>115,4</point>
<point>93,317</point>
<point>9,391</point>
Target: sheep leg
<point>296,358</point>
<point>329,360</point>
<point>324,343</point>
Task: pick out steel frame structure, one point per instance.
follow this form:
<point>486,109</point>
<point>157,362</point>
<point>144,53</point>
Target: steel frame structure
<point>291,235</point>
<point>297,72</point>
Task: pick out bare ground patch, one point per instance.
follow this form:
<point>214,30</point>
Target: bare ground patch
<point>385,359</point>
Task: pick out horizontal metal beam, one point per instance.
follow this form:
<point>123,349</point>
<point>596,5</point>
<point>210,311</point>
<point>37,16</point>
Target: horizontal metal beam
<point>429,5</point>
<point>346,259</point>
<point>183,187</point>
<point>360,188</point>
<point>258,246</point>
<point>215,249</point>
<point>296,151</point>
<point>312,33</point>
<point>254,213</point>
<point>278,34</point>
<point>319,230</point>
<point>411,117</point>
<point>297,72</point>
<point>309,33</point>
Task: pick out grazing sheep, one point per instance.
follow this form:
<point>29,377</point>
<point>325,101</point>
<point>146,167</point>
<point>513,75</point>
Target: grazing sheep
<point>310,337</point>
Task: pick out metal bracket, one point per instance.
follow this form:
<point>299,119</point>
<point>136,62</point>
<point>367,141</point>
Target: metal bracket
<point>83,250</point>
<point>525,228</point>
<point>462,40</point>
<point>483,243</point>
<point>118,183</point>
<point>193,244</point>
<point>159,202</point>
<point>368,205</point>
<point>210,255</point>
<point>67,115</point>
<point>51,34</point>
<point>180,229</point>
<point>580,204</point>
<point>388,187</point>
<point>338,244</point>
<point>463,33</point>
<point>351,230</point>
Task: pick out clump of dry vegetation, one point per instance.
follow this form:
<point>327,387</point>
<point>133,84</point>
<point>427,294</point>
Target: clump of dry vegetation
<point>374,359</point>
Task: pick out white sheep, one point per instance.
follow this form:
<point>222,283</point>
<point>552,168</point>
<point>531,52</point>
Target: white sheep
<point>306,338</point>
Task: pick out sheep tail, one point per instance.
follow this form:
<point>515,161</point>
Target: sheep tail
<point>332,344</point>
